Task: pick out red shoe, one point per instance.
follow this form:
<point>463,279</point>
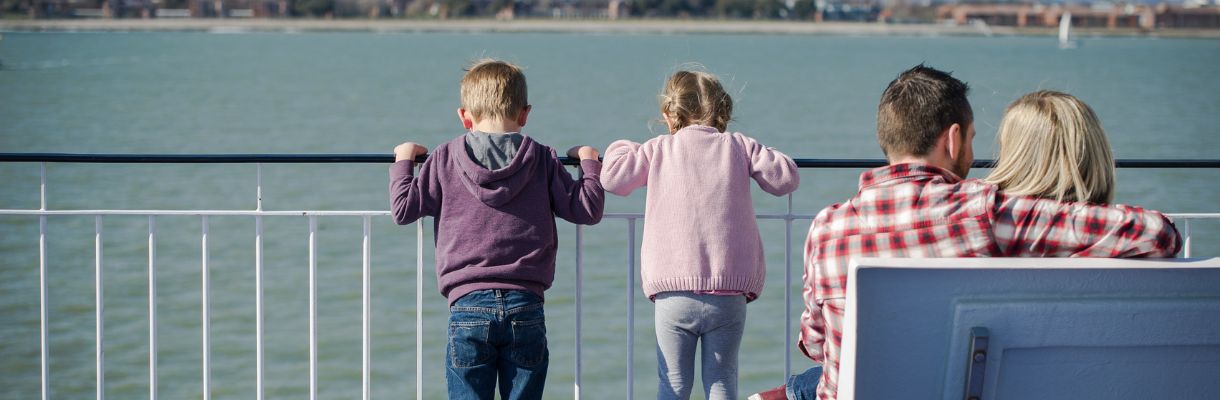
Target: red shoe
<point>779,393</point>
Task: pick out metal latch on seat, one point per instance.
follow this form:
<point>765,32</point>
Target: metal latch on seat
<point>976,366</point>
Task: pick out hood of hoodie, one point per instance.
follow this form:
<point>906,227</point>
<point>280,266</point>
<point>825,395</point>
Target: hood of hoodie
<point>497,187</point>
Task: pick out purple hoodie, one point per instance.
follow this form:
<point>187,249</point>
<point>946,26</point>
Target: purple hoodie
<point>495,229</point>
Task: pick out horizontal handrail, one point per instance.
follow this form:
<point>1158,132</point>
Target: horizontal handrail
<point>385,158</point>
<point>384,213</point>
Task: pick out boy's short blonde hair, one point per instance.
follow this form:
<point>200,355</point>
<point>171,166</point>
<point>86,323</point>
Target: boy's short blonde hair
<point>494,89</point>
<point>1052,146</point>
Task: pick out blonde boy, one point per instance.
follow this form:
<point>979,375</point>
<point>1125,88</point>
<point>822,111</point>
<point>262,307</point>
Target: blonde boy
<point>495,194</point>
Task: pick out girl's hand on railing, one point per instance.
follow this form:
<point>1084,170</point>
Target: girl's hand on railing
<point>409,151</point>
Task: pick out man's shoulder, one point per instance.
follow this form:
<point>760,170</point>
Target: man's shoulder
<point>915,197</point>
<point>964,187</point>
<point>830,212</point>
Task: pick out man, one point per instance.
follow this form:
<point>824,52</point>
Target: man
<point>920,206</point>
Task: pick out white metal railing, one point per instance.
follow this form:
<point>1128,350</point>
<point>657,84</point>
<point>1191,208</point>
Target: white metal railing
<point>366,317</point>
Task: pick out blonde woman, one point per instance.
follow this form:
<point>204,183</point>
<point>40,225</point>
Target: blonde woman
<point>1052,146</point>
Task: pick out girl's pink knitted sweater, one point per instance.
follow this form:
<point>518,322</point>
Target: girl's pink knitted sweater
<point>700,232</point>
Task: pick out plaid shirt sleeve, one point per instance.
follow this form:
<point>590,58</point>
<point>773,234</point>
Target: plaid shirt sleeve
<point>1028,226</point>
<point>812,326</point>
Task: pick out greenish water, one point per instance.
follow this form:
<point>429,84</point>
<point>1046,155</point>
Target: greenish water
<point>812,97</point>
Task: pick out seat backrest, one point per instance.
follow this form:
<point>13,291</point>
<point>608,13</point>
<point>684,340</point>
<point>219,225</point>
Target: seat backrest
<point>1054,329</point>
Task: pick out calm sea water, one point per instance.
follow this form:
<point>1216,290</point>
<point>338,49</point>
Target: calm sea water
<point>812,97</point>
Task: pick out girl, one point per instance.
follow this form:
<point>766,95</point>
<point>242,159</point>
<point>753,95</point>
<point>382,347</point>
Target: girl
<point>1052,146</point>
<point>701,258</point>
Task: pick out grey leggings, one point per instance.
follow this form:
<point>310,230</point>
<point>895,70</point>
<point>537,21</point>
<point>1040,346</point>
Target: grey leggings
<point>684,319</point>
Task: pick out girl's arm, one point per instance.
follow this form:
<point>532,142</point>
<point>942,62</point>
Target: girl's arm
<point>774,171</point>
<point>625,167</point>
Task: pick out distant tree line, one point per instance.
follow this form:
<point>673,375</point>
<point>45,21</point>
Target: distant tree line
<point>711,9</point>
<point>755,9</point>
<point>727,9</point>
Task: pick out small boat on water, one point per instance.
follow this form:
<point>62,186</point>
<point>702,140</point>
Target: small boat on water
<point>1066,41</point>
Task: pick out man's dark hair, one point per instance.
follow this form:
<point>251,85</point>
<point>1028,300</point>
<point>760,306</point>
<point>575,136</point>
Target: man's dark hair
<point>916,107</point>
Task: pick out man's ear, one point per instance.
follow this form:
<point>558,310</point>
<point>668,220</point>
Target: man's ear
<point>953,141</point>
<point>524,115</point>
<point>467,121</point>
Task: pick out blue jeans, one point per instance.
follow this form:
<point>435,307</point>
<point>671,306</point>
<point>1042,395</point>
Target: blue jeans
<point>715,324</point>
<point>805,385</point>
<point>496,334</point>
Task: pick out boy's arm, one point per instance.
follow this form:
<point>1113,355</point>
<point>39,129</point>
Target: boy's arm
<point>578,201</point>
<point>774,171</point>
<point>626,167</point>
<point>1028,226</point>
<point>412,197</point>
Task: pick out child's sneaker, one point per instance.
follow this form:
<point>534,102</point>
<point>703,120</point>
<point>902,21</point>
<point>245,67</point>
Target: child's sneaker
<point>779,393</point>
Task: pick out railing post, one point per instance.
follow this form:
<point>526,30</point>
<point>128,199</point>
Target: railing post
<point>258,186</point>
<point>42,280</point>
<point>42,302</point>
<point>631,308</point>
<point>579,280</point>
<point>42,186</point>
<point>367,307</point>
<point>313,308</point>
<point>207,310</point>
<point>259,385</point>
<point>152,307</point>
<point>788,291</point>
<point>419,309</point>
<point>258,305</point>
<point>97,292</point>
<point>1186,239</point>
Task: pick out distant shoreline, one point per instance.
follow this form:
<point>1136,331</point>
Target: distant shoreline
<point>628,26</point>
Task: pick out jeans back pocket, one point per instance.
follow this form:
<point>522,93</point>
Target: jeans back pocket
<point>468,343</point>
<point>529,342</point>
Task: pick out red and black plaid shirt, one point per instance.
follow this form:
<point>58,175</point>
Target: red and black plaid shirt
<point>917,210</point>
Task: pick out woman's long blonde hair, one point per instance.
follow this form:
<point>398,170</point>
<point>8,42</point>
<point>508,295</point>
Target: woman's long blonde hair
<point>1052,146</point>
<point>696,98</point>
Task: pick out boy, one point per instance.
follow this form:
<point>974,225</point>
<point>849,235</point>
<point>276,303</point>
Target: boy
<point>495,193</point>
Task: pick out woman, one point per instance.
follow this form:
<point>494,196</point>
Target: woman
<point>1053,146</point>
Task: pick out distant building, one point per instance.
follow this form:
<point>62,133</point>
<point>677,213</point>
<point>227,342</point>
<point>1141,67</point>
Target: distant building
<point>1099,15</point>
<point>851,10</point>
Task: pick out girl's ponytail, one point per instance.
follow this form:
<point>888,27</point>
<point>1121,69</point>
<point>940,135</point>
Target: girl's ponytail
<point>696,98</point>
